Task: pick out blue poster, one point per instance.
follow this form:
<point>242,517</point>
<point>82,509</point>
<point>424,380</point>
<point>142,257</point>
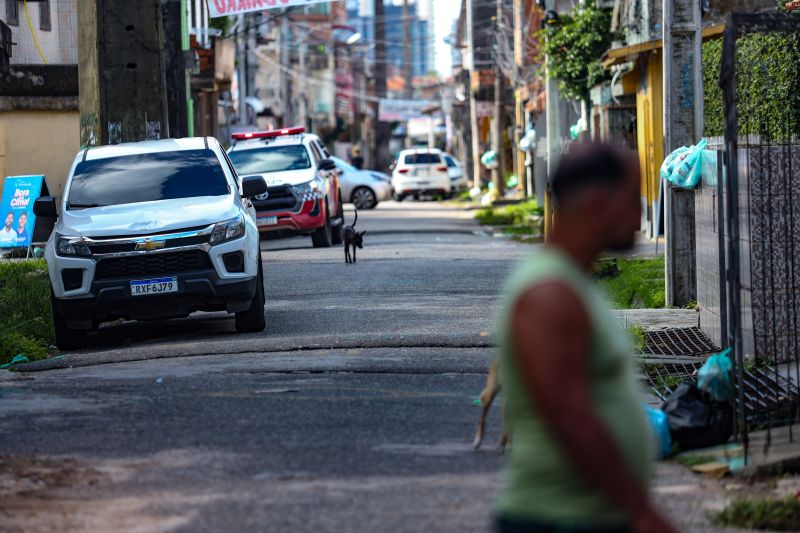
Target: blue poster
<point>16,210</point>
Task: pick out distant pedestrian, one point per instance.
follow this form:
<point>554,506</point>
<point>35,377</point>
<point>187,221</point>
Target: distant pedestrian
<point>355,158</point>
<point>581,454</point>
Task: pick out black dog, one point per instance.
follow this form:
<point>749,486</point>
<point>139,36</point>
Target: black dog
<point>352,238</point>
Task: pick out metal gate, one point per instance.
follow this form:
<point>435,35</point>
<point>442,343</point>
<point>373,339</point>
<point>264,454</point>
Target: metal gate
<point>761,92</point>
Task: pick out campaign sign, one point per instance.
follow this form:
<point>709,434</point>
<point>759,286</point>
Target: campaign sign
<point>16,210</point>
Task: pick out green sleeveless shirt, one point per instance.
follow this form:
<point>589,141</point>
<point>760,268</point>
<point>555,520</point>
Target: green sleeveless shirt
<point>540,483</point>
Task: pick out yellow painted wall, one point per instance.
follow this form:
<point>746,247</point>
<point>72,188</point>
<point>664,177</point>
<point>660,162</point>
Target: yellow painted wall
<point>650,133</point>
<point>39,142</point>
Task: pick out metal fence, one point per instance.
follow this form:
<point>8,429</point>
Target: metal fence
<point>762,215</point>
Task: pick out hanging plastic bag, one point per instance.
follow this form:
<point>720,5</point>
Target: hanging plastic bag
<point>660,426</point>
<point>696,420</point>
<point>669,163</point>
<point>714,377</point>
<point>686,168</point>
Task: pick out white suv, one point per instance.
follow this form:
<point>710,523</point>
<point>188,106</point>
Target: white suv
<point>421,172</point>
<point>153,230</point>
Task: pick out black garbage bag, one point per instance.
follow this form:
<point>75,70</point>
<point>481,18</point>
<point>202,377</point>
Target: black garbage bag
<point>696,420</point>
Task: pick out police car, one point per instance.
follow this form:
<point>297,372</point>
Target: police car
<point>303,192</point>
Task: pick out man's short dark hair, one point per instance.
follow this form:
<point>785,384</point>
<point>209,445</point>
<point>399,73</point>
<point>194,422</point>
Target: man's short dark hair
<point>587,165</point>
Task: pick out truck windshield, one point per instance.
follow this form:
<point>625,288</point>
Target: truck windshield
<point>131,179</point>
<point>270,159</point>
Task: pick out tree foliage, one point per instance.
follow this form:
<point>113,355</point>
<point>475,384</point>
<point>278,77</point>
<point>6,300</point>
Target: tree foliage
<point>574,49</point>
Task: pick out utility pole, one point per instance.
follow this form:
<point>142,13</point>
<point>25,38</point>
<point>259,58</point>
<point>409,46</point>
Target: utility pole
<point>553,103</point>
<point>286,97</point>
<point>407,72</point>
<point>241,75</point>
<point>381,155</point>
<point>473,104</point>
<point>174,14</point>
<point>683,126</point>
<point>499,110</point>
<point>121,73</point>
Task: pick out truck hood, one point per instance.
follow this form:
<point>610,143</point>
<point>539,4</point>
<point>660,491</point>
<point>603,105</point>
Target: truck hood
<point>288,177</point>
<point>146,217</point>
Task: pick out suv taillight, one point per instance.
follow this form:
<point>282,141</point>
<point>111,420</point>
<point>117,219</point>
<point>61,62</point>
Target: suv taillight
<point>442,168</point>
<point>402,170</point>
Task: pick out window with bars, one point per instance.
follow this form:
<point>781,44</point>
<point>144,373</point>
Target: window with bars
<point>44,15</point>
<point>12,13</point>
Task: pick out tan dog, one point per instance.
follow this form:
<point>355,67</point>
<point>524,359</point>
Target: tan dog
<point>487,397</point>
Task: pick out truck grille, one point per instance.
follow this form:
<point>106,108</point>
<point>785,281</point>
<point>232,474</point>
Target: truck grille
<point>278,199</point>
<point>152,264</point>
<point>131,247</point>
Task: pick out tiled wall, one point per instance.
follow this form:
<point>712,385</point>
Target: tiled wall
<point>59,44</point>
<point>769,248</point>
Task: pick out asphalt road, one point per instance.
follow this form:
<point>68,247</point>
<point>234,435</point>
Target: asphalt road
<point>353,411</point>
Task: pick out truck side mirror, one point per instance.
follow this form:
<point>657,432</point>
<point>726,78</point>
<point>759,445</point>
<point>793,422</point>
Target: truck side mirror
<point>327,165</point>
<point>253,186</point>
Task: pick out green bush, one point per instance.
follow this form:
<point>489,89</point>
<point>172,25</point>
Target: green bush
<point>26,323</point>
<point>768,88</point>
<point>638,285</point>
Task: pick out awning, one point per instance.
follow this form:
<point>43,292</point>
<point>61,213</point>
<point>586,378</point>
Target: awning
<point>624,54</point>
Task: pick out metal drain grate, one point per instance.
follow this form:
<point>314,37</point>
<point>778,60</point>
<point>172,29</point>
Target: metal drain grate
<point>663,378</point>
<point>770,399</point>
<point>691,342</point>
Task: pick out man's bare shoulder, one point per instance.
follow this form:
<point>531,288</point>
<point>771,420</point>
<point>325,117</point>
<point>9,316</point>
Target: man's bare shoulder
<point>552,302</point>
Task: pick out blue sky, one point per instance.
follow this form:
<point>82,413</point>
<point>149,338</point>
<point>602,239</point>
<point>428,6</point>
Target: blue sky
<point>445,13</point>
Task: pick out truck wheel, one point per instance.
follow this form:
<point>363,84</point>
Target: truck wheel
<point>336,231</point>
<point>323,237</point>
<point>66,338</point>
<point>253,320</point>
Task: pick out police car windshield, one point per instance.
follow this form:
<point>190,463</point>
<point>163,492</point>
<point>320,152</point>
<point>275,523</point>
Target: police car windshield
<point>131,179</point>
<point>270,159</point>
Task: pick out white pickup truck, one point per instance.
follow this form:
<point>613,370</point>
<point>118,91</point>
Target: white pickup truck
<point>153,230</point>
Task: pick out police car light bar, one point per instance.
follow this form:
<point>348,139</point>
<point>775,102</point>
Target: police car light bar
<point>271,134</point>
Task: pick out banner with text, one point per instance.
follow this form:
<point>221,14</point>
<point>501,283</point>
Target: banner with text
<point>224,8</point>
<point>16,208</point>
<point>404,110</point>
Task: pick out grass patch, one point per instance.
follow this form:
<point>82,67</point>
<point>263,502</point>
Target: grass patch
<point>517,220</point>
<point>774,515</point>
<point>509,215</point>
<point>693,460</point>
<point>26,323</point>
<point>638,337</point>
<point>639,284</point>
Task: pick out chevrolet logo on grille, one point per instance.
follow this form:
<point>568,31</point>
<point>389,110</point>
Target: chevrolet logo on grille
<point>149,246</point>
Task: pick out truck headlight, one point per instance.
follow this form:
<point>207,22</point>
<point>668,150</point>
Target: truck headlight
<point>71,246</point>
<point>308,191</point>
<point>227,231</point>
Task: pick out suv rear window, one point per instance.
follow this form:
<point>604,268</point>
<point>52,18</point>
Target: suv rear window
<point>422,159</point>
<point>131,179</point>
<point>270,159</point>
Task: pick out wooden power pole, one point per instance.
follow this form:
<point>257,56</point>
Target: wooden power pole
<point>121,73</point>
<point>499,110</point>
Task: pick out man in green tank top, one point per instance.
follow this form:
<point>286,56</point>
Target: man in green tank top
<point>580,458</point>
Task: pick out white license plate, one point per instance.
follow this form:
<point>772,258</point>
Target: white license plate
<point>267,221</point>
<point>146,287</point>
